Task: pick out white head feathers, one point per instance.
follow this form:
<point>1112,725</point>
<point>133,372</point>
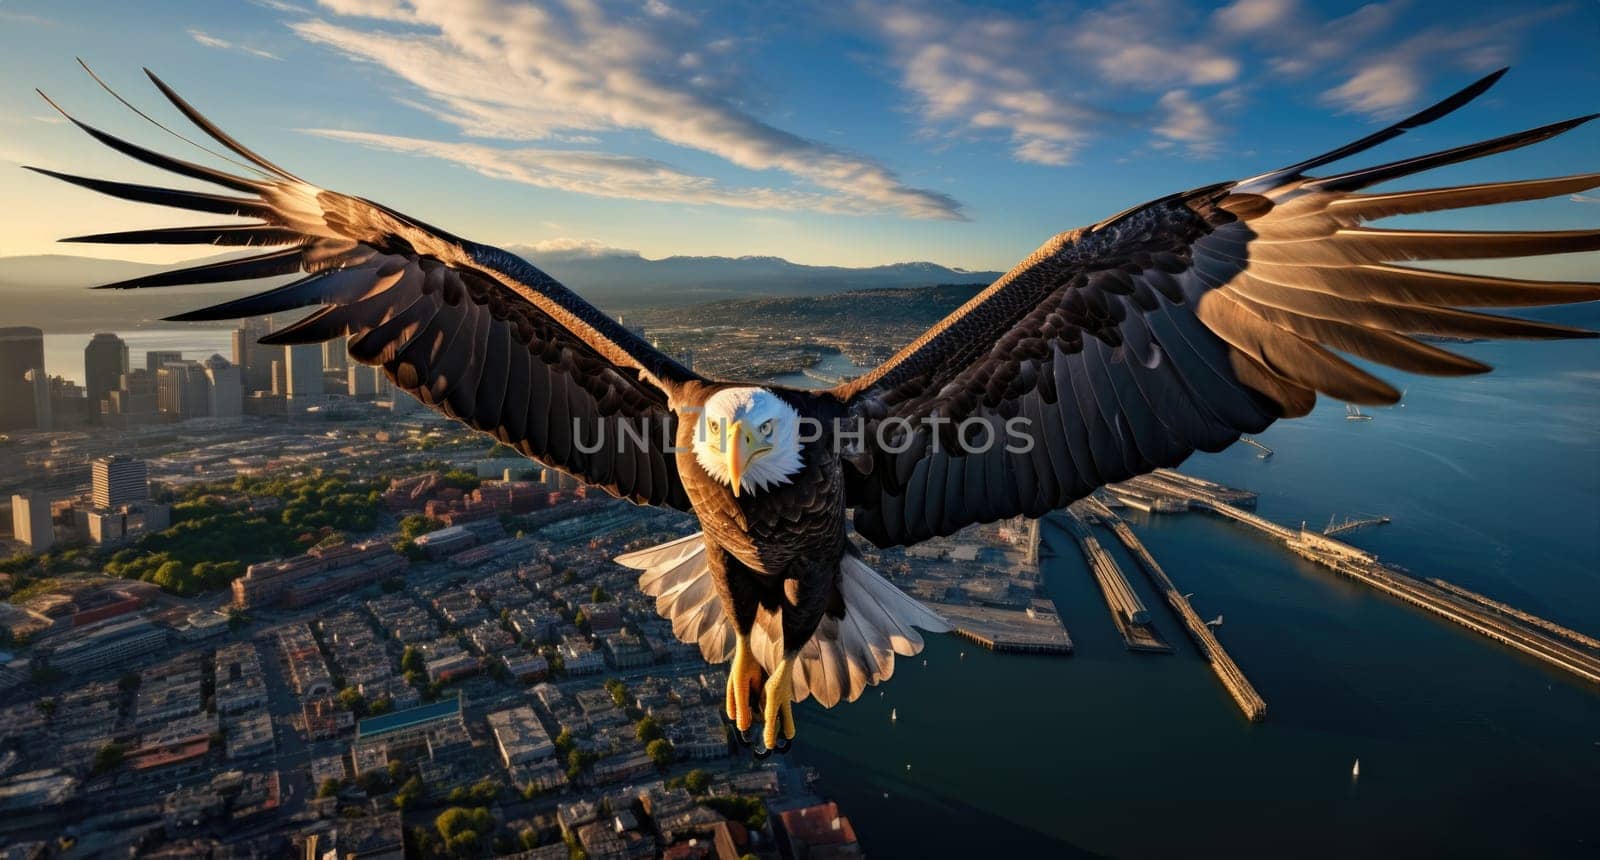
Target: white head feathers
<point>748,434</point>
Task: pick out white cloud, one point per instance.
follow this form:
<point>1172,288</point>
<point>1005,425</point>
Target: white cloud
<point>600,174</point>
<point>540,71</point>
<point>1254,16</point>
<point>1053,80</point>
<point>1049,84</point>
<point>564,248</point>
<point>1186,121</point>
<point>221,44</point>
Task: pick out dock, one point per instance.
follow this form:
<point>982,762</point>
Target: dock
<point>1564,632</point>
<point>1513,628</point>
<point>1038,630</point>
<point>1227,671</point>
<point>1128,612</point>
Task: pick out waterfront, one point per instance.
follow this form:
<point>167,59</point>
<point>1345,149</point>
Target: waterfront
<point>63,352</point>
<point>1467,748</point>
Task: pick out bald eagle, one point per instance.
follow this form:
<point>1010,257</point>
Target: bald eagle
<point>1112,350</point>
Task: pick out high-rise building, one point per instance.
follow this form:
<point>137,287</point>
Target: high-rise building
<point>280,381</point>
<point>334,356</point>
<point>39,394</point>
<point>254,359</point>
<point>21,350</point>
<point>118,480</point>
<point>30,521</point>
<point>362,381</point>
<point>226,394</point>
<point>133,402</point>
<point>155,358</point>
<point>303,375</point>
<point>182,391</point>
<point>105,360</point>
<point>69,408</point>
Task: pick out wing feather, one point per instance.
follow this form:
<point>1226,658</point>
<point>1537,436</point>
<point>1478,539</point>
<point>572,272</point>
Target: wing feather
<point>471,331</point>
<point>1178,325</point>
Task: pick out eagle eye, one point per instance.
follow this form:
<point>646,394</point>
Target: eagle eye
<point>766,427</point>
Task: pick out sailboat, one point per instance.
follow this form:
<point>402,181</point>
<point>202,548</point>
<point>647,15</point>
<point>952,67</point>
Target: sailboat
<point>1353,412</point>
<point>894,715</point>
<point>1355,769</point>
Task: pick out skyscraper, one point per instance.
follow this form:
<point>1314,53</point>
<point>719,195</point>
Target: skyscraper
<point>21,350</point>
<point>362,381</point>
<point>30,521</point>
<point>157,357</point>
<point>303,375</point>
<point>39,393</point>
<point>333,355</point>
<point>223,388</point>
<point>105,360</point>
<point>253,359</point>
<point>182,391</point>
<point>119,480</point>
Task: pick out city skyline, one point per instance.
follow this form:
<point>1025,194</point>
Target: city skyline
<point>853,136</point>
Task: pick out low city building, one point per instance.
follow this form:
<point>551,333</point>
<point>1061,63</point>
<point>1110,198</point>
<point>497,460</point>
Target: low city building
<point>520,737</point>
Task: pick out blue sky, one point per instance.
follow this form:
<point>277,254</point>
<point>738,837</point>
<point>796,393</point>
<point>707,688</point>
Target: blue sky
<point>828,133</point>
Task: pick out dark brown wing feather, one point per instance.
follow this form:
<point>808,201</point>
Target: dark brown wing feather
<point>1178,325</point>
<point>472,331</point>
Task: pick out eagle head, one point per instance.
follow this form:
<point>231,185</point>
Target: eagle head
<point>749,439</point>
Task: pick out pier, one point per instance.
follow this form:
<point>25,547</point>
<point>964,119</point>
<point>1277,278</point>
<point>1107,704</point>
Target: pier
<point>1227,671</point>
<point>1038,630</point>
<point>1513,628</point>
<point>1528,618</point>
<point>1127,610</point>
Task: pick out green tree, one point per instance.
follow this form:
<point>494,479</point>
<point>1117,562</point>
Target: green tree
<point>329,788</point>
<point>457,820</point>
<point>660,752</point>
<point>738,807</point>
<point>647,729</point>
<point>599,595</point>
<point>409,793</point>
<point>697,781</point>
<point>108,757</point>
<point>351,700</point>
<point>411,660</point>
<point>618,691</point>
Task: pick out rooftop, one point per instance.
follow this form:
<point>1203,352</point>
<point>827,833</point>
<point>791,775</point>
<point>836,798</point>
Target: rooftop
<point>408,718</point>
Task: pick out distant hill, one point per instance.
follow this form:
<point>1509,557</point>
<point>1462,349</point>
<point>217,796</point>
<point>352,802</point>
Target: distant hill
<point>49,291</point>
<point>627,280</point>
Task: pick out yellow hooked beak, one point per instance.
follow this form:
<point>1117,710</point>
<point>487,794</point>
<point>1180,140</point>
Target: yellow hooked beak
<point>744,447</point>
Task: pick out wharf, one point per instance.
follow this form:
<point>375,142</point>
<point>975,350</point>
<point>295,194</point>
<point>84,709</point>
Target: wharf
<point>1537,637</point>
<point>1128,612</point>
<point>1227,671</point>
<point>1035,631</point>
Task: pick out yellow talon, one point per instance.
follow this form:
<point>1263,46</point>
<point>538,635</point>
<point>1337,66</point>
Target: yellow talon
<point>744,677</point>
<point>779,704</point>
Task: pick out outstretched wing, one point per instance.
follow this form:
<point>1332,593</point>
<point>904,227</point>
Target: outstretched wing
<point>471,331</point>
<point>1180,324</point>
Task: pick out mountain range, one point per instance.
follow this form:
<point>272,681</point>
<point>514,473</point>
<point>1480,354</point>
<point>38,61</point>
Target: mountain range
<point>49,290</point>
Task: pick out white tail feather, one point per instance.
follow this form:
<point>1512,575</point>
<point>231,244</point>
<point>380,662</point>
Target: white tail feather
<point>843,658</point>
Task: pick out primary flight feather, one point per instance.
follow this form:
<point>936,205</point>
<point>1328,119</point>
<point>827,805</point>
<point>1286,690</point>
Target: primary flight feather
<point>1112,350</point>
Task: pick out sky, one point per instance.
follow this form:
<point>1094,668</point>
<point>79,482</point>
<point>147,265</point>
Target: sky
<point>832,133</point>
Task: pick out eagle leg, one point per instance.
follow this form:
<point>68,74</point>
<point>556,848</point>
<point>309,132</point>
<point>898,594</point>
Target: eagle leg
<point>744,680</point>
<point>779,705</point>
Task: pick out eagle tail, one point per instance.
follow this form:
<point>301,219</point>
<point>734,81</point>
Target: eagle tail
<point>844,657</point>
